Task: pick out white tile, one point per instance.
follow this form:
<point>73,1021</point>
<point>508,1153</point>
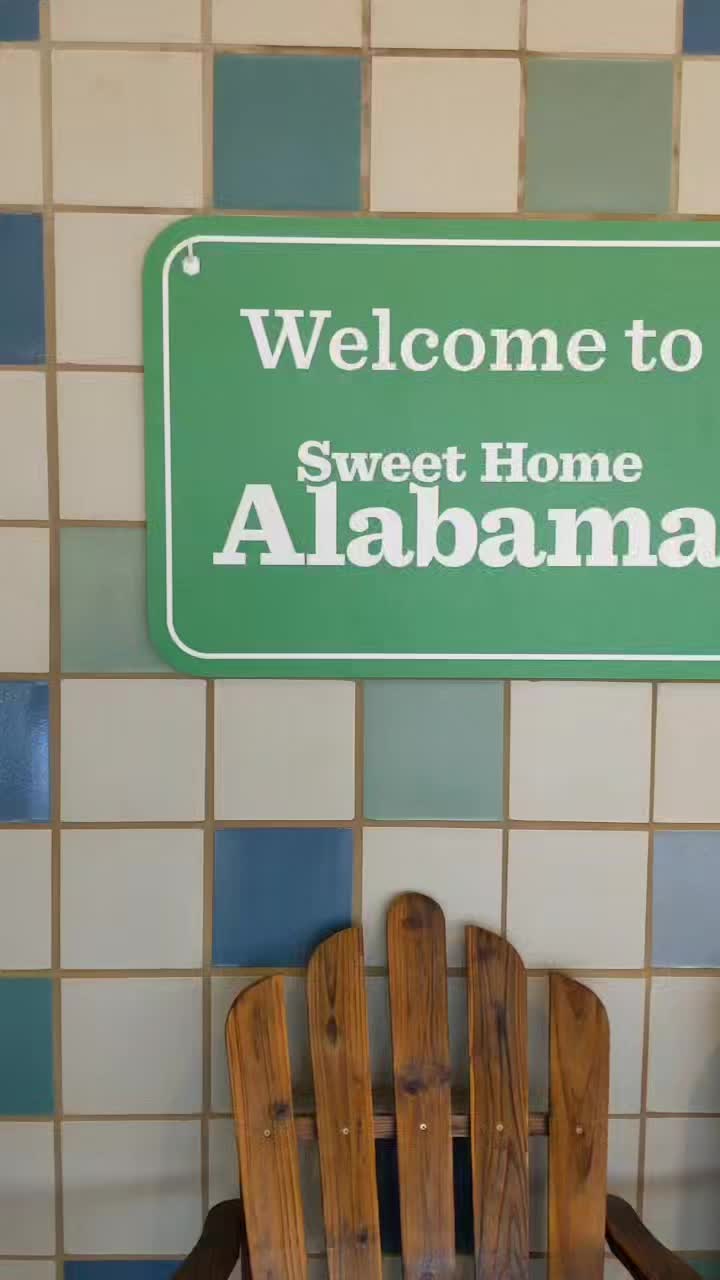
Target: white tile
<point>580,751</point>
<point>576,899</point>
<point>143,106</point>
<point>160,1017</point>
<point>445,135</point>
<point>538,1001</point>
<point>162,21</point>
<point>131,1180</point>
<point>146,890</point>
<point>456,24</point>
<point>682,1181</point>
<point>101,443</point>
<point>396,859</point>
<point>699,190</point>
<point>21,177</point>
<point>284,22</point>
<point>380,1040</point>
<point>688,743</point>
<point>623,1158</point>
<point>684,1011</point>
<point>23,446</point>
<point>25,900</point>
<point>28,1270</point>
<point>27,1188</point>
<point>133,750</point>
<point>25,593</point>
<point>224,990</point>
<point>615,26</point>
<point>285,749</point>
<point>98,266</point>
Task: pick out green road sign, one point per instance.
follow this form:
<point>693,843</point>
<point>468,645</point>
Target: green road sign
<point>434,448</point>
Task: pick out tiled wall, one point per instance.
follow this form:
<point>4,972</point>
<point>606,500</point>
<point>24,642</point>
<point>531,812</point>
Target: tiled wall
<point>165,840</point>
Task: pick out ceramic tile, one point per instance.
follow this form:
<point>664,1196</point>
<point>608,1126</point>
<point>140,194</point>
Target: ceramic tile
<point>580,751</point>
<point>26,1064</point>
<point>681,1163</point>
<point>146,890</point>
<point>23,486</point>
<point>686,883</point>
<point>684,1011</point>
<point>19,19</point>
<point>599,136</point>
<point>433,749</point>
<point>161,1017</point>
<point>699,188</point>
<point>378,1002</point>
<point>25,899</point>
<point>22,302</point>
<point>616,26</point>
<point>144,106</point>
<point>592,889</point>
<point>701,33</point>
<point>101,444</point>
<point>163,21</point>
<point>285,749</point>
<point>25,592</point>
<point>98,260</point>
<point>27,1189</point>
<point>623,1159</point>
<point>103,604</point>
<point>135,1269</point>
<point>287,132</point>
<point>133,1181</point>
<point>21,178</point>
<point>36,1270</point>
<point>282,22</point>
<point>24,751</point>
<point>224,989</point>
<point>458,24</point>
<point>445,135</point>
<point>278,893</point>
<point>133,750</point>
<point>396,859</point>
<point>688,740</point>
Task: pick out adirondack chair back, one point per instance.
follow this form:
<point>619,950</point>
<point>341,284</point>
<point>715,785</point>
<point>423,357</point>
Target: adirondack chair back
<point>346,1128</point>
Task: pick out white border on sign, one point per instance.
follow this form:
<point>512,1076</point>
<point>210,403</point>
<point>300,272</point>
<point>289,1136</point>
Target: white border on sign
<point>392,241</point>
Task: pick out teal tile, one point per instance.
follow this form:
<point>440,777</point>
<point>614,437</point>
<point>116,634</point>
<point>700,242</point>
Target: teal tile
<point>26,1061</point>
<point>599,136</point>
<point>103,610</point>
<point>287,132</point>
<point>708,1268</point>
<point>433,750</point>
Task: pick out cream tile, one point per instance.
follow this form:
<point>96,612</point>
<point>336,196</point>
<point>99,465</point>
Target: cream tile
<point>133,750</point>
<point>285,749</point>
<point>396,859</point>
<point>688,743</point>
<point>144,107</point>
<point>457,24</point>
<point>146,890</point>
<point>101,442</point>
<point>98,264</point>
<point>224,991</point>
<point>27,1188</point>
<point>25,900</point>
<point>131,1180</point>
<point>699,190</point>
<point>21,176</point>
<point>576,899</point>
<point>25,593</point>
<point>615,26</point>
<point>684,1011</point>
<point>164,21</point>
<point>17,1270</point>
<point>445,134</point>
<point>623,1158</point>
<point>285,22</point>
<point>580,751</point>
<point>23,446</point>
<point>682,1158</point>
<point>380,1038</point>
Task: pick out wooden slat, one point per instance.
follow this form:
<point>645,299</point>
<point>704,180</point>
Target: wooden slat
<point>579,1094</point>
<point>497,1036</point>
<point>259,1063</point>
<point>421,1061</point>
<point>340,1049</point>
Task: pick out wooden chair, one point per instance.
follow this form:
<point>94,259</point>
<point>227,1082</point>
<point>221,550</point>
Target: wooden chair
<point>266,1229</point>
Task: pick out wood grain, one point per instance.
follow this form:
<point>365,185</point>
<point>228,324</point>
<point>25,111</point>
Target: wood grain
<point>337,1011</point>
<point>421,1062</point>
<point>579,1096</point>
<point>259,1064</point>
<point>497,1037</point>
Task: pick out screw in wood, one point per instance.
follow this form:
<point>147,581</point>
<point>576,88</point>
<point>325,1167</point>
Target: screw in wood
<point>267,1133</point>
<point>346,1131</point>
<point>423,1127</point>
<point>579,1130</point>
<point>500,1127</point>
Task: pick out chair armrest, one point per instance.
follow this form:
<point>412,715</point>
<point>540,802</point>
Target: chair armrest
<point>222,1242</point>
<point>638,1250</point>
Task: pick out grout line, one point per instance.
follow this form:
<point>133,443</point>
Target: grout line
<point>523,104</point>
<point>366,108</point>
<point>349,51</point>
<point>231,824</point>
<point>645,1066</point>
<point>371,971</point>
<point>677,106</point>
<point>208,878</point>
<point>290,215</point>
<point>359,760</point>
<point>507,698</point>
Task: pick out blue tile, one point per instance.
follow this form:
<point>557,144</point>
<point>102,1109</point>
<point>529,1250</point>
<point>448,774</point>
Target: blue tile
<point>22,297</point>
<point>19,19</point>
<point>26,1061</point>
<point>24,751</point>
<point>278,893</point>
<point>686,892</point>
<point>702,26</point>
<point>150,1269</point>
